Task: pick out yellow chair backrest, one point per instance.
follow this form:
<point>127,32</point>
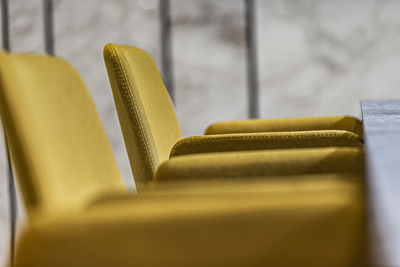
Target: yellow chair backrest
<point>145,109</point>
<point>58,145</point>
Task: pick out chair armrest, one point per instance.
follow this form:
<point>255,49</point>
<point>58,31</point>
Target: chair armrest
<point>288,124</point>
<point>263,141</point>
<point>262,163</point>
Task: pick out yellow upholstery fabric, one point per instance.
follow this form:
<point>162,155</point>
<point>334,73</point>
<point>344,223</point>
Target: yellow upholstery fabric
<point>262,163</point>
<point>80,214</point>
<point>270,223</point>
<point>151,130</point>
<point>59,148</point>
<point>145,110</point>
<point>245,184</point>
<point>345,123</point>
<point>260,141</point>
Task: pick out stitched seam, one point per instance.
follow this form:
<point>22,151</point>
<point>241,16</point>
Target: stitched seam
<point>144,143</point>
<point>149,158</point>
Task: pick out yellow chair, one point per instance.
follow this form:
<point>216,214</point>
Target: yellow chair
<point>80,214</point>
<point>152,133</point>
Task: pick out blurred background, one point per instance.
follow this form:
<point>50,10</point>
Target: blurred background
<point>315,57</point>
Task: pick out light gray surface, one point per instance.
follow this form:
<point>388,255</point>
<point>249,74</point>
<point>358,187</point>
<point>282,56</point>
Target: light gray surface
<point>382,136</point>
<point>316,57</point>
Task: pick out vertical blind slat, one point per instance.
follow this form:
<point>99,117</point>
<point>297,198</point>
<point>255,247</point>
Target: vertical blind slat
<point>48,26</point>
<point>166,46</point>
<point>4,25</point>
<point>252,67</point>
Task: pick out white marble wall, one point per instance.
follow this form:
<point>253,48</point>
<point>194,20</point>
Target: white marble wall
<point>316,57</point>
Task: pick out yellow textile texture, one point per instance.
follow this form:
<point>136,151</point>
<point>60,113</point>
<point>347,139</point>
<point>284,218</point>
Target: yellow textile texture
<point>262,163</point>
<point>145,110</point>
<point>261,141</point>
<point>152,133</point>
<point>80,214</point>
<point>345,123</point>
<point>248,184</point>
<point>59,148</point>
<point>316,222</point>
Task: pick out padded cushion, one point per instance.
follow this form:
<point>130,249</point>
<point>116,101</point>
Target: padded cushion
<point>345,123</point>
<point>262,163</point>
<point>261,141</point>
<point>59,148</point>
<point>248,184</point>
<point>145,110</point>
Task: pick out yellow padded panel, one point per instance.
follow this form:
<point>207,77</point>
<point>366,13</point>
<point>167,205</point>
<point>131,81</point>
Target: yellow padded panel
<point>272,223</point>
<point>59,148</point>
<point>269,140</point>
<point>262,163</point>
<point>145,110</point>
<point>249,184</point>
<point>345,123</point>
